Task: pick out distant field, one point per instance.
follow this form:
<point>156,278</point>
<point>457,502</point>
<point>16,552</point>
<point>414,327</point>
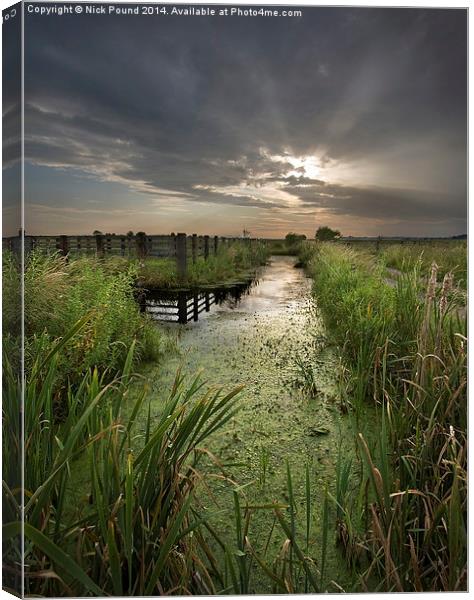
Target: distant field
<point>449,255</point>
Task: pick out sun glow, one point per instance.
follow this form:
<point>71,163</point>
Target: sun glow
<point>303,166</point>
<point>308,166</point>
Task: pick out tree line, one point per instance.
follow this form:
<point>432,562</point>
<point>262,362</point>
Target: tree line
<point>323,234</point>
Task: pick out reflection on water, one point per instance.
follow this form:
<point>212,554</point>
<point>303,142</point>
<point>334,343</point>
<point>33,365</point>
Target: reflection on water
<point>183,306</point>
<point>279,284</point>
<point>275,285</point>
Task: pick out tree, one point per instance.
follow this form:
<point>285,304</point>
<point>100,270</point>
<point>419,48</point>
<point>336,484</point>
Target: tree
<point>326,234</point>
<point>293,238</point>
<point>130,234</point>
<point>97,232</point>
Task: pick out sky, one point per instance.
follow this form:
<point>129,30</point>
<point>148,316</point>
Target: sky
<point>354,118</point>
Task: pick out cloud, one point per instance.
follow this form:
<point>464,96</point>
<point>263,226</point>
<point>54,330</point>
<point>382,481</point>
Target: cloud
<point>329,112</point>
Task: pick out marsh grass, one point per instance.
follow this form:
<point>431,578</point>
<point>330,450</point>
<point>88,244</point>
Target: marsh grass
<point>59,293</point>
<point>450,256</point>
<point>135,536</point>
<point>138,529</point>
<point>293,569</point>
<point>305,378</point>
<point>405,352</point>
<point>135,526</point>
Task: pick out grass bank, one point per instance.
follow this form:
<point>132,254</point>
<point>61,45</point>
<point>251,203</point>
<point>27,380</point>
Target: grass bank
<point>403,349</point>
<point>450,257</point>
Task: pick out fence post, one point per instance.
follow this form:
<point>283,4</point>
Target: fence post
<point>206,247</point>
<point>181,254</point>
<point>196,306</point>
<point>63,244</point>
<point>99,241</point>
<point>141,245</point>
<point>182,308</point>
<point>216,243</point>
<point>194,247</point>
<point>141,298</point>
<point>172,245</point>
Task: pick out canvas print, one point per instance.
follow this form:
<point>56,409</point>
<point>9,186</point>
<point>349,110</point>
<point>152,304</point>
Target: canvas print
<point>234,299</point>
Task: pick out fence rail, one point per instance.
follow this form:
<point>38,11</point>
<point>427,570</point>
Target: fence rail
<point>182,247</point>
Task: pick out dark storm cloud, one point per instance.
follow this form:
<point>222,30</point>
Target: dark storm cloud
<point>382,203</point>
<point>201,107</point>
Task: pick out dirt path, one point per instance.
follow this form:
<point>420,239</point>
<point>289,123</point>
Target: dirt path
<point>266,342</point>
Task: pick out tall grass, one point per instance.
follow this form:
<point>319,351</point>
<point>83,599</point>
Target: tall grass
<point>405,351</point>
<point>450,256</point>
<point>135,537</point>
<point>110,505</point>
<point>59,293</point>
<point>293,569</point>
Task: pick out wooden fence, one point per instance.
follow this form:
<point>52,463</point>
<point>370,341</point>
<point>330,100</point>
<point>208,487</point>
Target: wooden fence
<point>182,247</point>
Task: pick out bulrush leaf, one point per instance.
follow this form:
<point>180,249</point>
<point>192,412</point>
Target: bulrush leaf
<point>56,555</point>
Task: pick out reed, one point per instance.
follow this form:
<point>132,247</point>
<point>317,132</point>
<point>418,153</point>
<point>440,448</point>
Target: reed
<point>133,535</point>
<point>305,378</point>
<point>405,352</point>
<point>110,498</point>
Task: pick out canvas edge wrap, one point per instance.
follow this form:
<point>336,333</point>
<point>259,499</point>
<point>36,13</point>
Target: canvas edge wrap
<point>12,308</point>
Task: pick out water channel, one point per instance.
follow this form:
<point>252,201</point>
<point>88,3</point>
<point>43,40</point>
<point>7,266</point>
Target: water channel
<point>267,340</point>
